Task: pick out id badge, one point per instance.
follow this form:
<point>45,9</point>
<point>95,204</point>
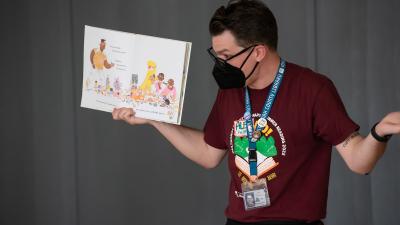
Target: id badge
<point>255,194</point>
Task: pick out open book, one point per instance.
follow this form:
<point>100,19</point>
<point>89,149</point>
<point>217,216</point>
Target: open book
<point>137,71</point>
<point>263,167</point>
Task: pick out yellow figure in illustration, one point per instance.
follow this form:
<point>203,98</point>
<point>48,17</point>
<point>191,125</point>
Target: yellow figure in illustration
<point>98,58</point>
<point>99,62</point>
<point>151,71</point>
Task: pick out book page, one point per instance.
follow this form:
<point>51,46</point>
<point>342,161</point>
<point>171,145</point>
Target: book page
<point>107,69</point>
<point>159,64</point>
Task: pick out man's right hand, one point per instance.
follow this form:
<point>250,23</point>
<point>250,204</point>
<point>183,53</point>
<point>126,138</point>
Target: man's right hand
<point>128,115</point>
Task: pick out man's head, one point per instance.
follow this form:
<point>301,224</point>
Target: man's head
<point>244,24</point>
<point>102,44</point>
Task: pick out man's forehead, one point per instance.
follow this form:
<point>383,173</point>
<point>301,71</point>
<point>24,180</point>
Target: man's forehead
<point>224,42</point>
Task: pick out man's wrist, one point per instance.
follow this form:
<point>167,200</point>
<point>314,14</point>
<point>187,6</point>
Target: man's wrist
<point>377,134</point>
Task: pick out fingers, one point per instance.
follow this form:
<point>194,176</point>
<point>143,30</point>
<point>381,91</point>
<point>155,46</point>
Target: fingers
<point>391,123</point>
<point>122,114</point>
<point>387,128</point>
<point>393,128</point>
<point>115,113</point>
<point>393,117</point>
<point>128,115</point>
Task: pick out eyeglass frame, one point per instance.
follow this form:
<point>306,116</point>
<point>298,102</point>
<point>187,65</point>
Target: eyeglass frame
<point>218,59</point>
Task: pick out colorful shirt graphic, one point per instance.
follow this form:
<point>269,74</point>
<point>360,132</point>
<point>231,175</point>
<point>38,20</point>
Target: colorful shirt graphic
<point>266,149</point>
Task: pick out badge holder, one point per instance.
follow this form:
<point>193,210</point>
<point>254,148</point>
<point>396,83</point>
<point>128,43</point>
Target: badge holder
<point>255,194</point>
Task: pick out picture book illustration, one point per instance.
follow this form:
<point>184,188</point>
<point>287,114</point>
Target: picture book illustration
<point>137,71</point>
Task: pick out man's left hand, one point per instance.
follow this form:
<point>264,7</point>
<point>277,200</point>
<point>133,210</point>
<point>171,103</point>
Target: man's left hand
<point>390,124</point>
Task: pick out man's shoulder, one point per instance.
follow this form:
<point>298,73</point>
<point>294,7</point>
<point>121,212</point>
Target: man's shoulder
<point>306,76</point>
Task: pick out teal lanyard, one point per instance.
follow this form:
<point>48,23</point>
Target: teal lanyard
<point>254,135</point>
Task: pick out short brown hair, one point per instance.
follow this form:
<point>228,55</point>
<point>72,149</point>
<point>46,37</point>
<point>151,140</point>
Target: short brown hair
<point>250,21</point>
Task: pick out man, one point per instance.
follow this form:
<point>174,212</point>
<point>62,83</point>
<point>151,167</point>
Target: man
<point>98,58</point>
<point>276,121</point>
<point>99,61</point>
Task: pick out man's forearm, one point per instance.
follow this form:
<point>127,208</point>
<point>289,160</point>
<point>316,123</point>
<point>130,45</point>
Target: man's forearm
<point>365,154</point>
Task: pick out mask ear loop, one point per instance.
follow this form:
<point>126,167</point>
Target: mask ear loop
<point>245,60</point>
<point>251,73</point>
<point>255,66</point>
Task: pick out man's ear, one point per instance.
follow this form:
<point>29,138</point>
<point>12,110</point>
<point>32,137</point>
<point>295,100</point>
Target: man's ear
<point>261,51</point>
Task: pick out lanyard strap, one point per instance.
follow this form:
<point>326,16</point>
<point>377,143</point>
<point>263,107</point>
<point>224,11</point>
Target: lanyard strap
<point>254,135</point>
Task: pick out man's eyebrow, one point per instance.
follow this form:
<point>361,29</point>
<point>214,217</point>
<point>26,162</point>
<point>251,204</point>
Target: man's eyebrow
<point>221,51</point>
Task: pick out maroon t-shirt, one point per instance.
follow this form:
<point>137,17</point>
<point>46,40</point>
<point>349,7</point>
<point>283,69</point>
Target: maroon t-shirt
<point>294,154</point>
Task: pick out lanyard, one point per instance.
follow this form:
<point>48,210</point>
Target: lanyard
<point>254,135</point>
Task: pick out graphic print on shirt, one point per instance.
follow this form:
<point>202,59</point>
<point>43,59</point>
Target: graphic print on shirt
<point>267,148</point>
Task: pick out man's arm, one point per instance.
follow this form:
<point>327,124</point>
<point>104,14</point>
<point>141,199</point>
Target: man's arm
<point>362,153</point>
<point>188,141</point>
<point>107,64</point>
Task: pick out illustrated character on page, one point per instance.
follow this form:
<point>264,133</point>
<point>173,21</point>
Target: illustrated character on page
<point>159,83</point>
<point>99,61</point>
<point>169,93</point>
<point>151,70</point>
<point>117,88</point>
<point>151,97</point>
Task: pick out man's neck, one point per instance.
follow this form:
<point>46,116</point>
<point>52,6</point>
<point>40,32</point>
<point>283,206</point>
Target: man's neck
<point>267,72</point>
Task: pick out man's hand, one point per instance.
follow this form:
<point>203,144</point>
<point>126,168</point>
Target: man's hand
<point>128,115</point>
<point>390,124</point>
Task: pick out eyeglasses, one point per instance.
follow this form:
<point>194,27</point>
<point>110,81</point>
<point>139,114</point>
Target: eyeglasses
<point>217,59</point>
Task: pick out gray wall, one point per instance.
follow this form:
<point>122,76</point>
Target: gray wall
<point>61,164</point>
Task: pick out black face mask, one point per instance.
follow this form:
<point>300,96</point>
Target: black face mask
<point>228,76</point>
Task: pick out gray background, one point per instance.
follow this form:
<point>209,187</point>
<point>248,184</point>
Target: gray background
<point>61,164</point>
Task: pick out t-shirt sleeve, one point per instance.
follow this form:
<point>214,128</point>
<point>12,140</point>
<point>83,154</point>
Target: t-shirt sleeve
<point>330,119</point>
<point>213,129</point>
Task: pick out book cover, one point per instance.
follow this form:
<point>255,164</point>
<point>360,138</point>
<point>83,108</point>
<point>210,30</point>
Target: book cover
<point>142,72</point>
